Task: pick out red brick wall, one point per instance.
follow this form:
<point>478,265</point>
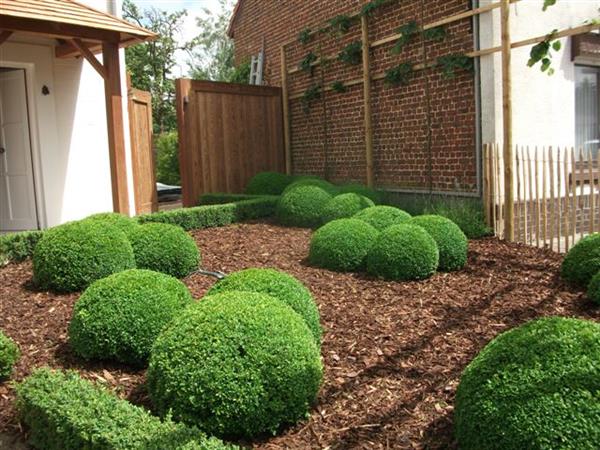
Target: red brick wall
<point>328,140</point>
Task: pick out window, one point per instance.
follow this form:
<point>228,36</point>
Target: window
<point>587,106</point>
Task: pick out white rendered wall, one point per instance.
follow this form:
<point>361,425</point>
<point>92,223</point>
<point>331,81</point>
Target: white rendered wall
<point>73,179</point>
<point>543,106</point>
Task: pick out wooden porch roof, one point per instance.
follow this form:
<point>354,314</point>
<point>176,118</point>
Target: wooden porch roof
<point>68,19</point>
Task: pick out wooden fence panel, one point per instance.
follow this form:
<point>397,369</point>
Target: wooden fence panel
<point>228,133</point>
<point>142,153</point>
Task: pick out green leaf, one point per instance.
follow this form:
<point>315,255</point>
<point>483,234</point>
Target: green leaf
<point>557,45</point>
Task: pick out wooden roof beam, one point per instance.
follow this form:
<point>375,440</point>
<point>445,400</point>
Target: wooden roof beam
<point>4,35</point>
<point>89,56</point>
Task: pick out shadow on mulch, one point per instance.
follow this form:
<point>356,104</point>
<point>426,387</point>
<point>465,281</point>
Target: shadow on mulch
<point>393,352</point>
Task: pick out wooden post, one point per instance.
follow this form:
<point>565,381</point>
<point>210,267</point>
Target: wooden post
<point>486,187</point>
<point>567,214</point>
<point>182,91</point>
<point>592,192</point>
<point>366,59</point>
<point>114,121</point>
<point>509,189</point>
<point>286,113</point>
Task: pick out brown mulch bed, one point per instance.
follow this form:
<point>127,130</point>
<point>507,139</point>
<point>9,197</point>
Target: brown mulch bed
<point>393,352</point>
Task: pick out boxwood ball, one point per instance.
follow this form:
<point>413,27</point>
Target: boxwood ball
<point>593,291</point>
<point>582,262</point>
<point>70,257</point>
<point>451,241</point>
<point>119,317</point>
<point>403,252</point>
<point>279,285</point>
<point>165,248</point>
<point>534,387</point>
<point>360,189</point>
<point>382,216</point>
<point>342,245</point>
<point>9,355</point>
<point>344,206</point>
<point>268,183</point>
<point>122,222</point>
<point>302,206</point>
<point>237,364</point>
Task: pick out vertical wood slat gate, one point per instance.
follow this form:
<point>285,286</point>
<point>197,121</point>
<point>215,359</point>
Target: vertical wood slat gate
<point>227,133</point>
<point>142,153</point>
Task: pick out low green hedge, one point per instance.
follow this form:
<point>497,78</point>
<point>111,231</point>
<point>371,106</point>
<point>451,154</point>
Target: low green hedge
<point>451,241</point>
<point>210,216</point>
<point>70,257</point>
<point>119,317</point>
<point>382,217</point>
<point>582,262</point>
<point>403,252</point>
<point>9,355</point>
<point>16,247</point>
<point>302,206</point>
<point>344,206</point>
<point>342,245</point>
<point>165,248</point>
<point>593,291</point>
<point>237,364</point>
<point>220,198</point>
<point>65,412</point>
<point>534,387</point>
<point>268,183</point>
<point>279,285</point>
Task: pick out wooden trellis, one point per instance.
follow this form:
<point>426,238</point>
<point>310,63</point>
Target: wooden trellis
<point>367,78</point>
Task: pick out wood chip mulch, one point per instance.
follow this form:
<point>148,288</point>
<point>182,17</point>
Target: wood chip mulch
<point>393,352</point>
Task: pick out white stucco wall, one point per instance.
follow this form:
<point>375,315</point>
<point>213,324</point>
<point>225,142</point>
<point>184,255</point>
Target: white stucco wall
<point>73,178</point>
<point>543,106</point>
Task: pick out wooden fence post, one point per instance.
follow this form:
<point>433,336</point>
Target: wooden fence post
<point>286,113</point>
<point>509,188</point>
<point>366,59</point>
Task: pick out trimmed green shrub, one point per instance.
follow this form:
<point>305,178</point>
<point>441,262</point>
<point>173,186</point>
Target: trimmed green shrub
<point>342,245</point>
<point>122,222</point>
<point>593,291</point>
<point>534,387</point>
<point>382,217</point>
<point>403,252</point>
<point>71,256</point>
<point>236,364</point>
<point>119,317</point>
<point>312,181</point>
<point>165,248</point>
<point>65,412</point>
<point>279,285</point>
<point>355,188</point>
<point>167,158</point>
<point>343,206</point>
<point>268,183</point>
<point>451,241</point>
<point>582,262</point>
<point>218,198</point>
<point>209,216</point>
<point>9,355</point>
<point>16,247</point>
<point>302,206</point>
<point>467,214</point>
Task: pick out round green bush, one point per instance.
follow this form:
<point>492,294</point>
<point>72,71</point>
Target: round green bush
<point>121,221</point>
<point>342,245</point>
<point>534,387</point>
<point>70,257</point>
<point>268,183</point>
<point>302,206</point>
<point>355,188</point>
<point>451,241</point>
<point>165,248</point>
<point>403,252</point>
<point>279,285</point>
<point>237,364</point>
<point>119,317</point>
<point>582,262</point>
<point>593,291</point>
<point>382,217</point>
<point>9,354</point>
<point>312,181</point>
<point>344,206</point>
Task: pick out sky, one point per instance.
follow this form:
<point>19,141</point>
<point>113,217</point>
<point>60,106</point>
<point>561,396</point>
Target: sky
<point>195,8</point>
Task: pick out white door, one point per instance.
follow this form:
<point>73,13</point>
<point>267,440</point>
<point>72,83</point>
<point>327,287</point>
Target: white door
<point>17,194</point>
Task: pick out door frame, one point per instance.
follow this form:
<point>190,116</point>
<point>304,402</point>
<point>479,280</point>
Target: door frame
<point>36,155</point>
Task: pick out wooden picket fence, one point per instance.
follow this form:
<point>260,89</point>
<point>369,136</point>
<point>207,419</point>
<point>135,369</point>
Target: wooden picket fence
<point>557,194</point>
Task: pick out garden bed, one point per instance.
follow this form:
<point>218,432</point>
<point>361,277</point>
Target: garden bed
<point>393,352</point>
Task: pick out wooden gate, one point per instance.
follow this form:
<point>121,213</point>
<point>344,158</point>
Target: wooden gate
<point>227,133</point>
<point>142,153</point>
